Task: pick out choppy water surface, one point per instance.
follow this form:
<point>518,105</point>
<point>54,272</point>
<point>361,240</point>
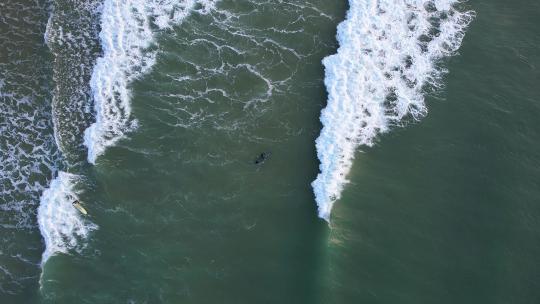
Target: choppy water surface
<point>152,114</point>
<point>27,149</point>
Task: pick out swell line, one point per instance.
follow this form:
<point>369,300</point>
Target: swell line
<point>389,54</point>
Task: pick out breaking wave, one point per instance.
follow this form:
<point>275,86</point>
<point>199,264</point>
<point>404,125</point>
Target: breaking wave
<point>61,225</point>
<point>389,53</point>
<point>128,30</point>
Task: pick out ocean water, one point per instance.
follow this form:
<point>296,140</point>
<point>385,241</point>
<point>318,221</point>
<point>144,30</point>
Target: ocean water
<point>28,152</point>
<point>404,165</point>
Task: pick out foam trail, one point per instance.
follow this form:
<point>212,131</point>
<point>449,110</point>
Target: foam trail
<point>61,225</point>
<point>389,52</point>
<point>128,30</point>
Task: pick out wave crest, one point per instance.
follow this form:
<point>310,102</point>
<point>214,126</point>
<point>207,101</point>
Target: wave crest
<point>128,29</point>
<point>389,52</point>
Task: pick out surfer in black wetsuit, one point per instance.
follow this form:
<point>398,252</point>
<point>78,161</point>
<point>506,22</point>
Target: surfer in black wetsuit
<point>262,158</point>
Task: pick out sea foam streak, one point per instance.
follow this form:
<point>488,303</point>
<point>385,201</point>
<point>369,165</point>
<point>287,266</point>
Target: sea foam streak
<point>389,51</point>
<point>61,225</point>
<point>128,30</point>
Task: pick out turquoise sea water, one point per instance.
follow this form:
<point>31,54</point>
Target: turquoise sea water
<point>440,210</point>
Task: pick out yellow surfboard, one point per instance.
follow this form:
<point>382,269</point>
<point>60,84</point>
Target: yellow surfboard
<point>79,207</point>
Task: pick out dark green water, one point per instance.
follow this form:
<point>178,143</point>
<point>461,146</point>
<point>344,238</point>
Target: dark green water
<point>184,214</point>
<point>447,210</point>
<point>442,211</point>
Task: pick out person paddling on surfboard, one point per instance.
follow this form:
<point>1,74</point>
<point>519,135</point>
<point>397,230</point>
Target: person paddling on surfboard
<point>262,158</point>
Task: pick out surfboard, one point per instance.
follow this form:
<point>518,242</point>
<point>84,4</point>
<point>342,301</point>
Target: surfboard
<point>79,207</point>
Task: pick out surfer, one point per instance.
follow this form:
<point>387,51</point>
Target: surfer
<point>262,158</point>
<point>79,207</point>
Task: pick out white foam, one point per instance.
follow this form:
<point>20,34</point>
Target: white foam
<point>61,225</point>
<point>128,30</point>
<point>389,51</point>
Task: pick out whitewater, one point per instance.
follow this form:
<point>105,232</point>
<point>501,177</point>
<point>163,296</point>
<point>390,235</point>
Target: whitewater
<point>127,37</point>
<point>61,225</point>
<point>128,32</point>
<point>389,52</point>
<point>389,56</point>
